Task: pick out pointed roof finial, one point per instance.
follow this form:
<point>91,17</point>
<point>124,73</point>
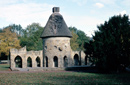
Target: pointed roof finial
<point>56,9</point>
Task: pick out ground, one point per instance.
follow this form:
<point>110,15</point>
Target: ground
<point>8,77</point>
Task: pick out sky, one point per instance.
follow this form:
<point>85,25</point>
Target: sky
<point>85,15</point>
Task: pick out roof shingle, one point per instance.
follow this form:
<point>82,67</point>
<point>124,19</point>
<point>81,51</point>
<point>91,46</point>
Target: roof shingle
<point>56,26</point>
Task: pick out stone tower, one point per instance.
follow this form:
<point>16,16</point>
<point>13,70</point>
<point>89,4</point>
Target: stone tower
<point>56,42</point>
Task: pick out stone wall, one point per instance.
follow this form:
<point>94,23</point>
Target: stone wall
<point>56,53</point>
<point>58,47</point>
<point>24,55</point>
<point>80,58</point>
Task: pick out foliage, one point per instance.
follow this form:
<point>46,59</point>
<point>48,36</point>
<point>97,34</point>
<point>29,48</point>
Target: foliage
<point>0,30</point>
<point>73,42</point>
<point>89,51</point>
<point>80,40</point>
<point>88,48</point>
<point>31,37</point>
<point>16,28</point>
<point>8,40</point>
<point>111,44</point>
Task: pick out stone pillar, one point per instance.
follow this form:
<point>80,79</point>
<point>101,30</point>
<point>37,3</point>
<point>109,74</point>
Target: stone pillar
<point>41,61</point>
<point>24,62</point>
<point>50,62</point>
<point>12,62</point>
<point>34,64</point>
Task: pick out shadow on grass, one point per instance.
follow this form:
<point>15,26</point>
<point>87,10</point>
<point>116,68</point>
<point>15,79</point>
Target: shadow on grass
<point>91,69</point>
<point>89,78</point>
<point>105,77</point>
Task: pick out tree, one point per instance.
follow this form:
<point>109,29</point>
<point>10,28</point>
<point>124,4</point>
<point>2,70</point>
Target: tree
<point>0,30</point>
<point>31,37</point>
<point>81,39</point>
<point>111,45</point>
<point>8,40</point>
<point>73,42</point>
<point>16,28</point>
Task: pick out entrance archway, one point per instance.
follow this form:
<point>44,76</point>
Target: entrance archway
<point>55,59</point>
<point>18,62</point>
<point>76,59</point>
<point>38,62</point>
<point>46,61</point>
<point>65,61</point>
<point>29,62</point>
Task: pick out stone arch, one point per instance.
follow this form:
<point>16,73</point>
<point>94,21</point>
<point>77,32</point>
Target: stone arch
<point>18,62</point>
<point>65,61</point>
<point>55,59</point>
<point>46,61</point>
<point>29,62</point>
<point>76,59</point>
<point>38,62</point>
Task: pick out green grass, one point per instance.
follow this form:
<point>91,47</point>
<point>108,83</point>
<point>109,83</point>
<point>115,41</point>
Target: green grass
<point>4,67</point>
<point>61,77</point>
<point>71,78</point>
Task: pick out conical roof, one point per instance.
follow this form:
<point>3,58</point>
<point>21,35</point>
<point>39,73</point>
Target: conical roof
<point>56,26</point>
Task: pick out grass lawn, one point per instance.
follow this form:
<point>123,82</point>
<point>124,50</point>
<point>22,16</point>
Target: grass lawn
<point>4,67</point>
<point>63,77</point>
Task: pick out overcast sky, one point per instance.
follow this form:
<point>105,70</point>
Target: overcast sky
<point>85,15</point>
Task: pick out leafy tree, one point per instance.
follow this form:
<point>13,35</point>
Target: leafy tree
<point>89,48</point>
<point>81,39</point>
<point>73,42</point>
<point>0,30</point>
<point>31,37</point>
<point>111,45</point>
<point>16,28</point>
<point>8,40</point>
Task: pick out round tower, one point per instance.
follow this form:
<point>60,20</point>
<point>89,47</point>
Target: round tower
<point>56,41</point>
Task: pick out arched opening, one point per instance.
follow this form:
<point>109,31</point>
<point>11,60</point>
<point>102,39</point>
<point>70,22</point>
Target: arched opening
<point>76,59</point>
<point>38,61</point>
<point>65,61</point>
<point>55,59</point>
<point>29,62</point>
<point>18,62</point>
<point>46,61</point>
<point>85,60</point>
